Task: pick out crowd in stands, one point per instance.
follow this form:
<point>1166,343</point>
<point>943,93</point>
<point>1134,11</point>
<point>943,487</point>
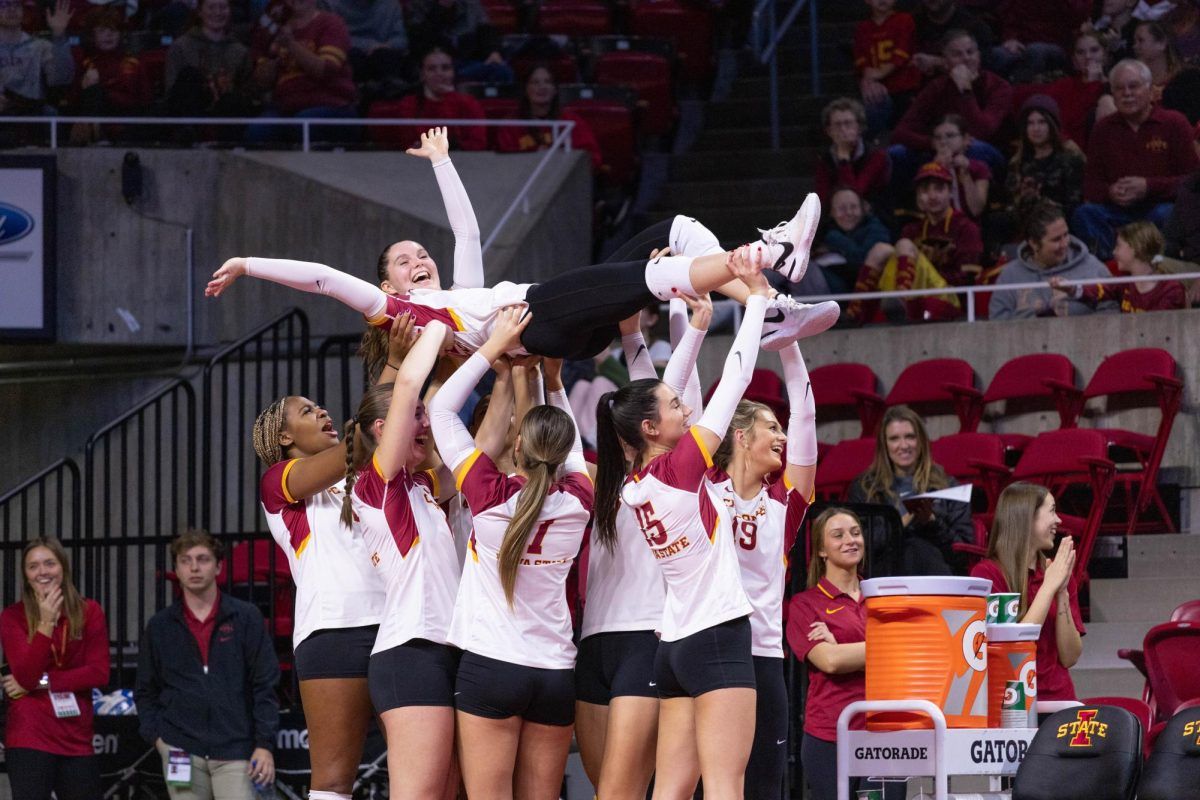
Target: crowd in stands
<point>1005,141</point>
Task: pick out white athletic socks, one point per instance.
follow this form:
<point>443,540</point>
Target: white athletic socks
<point>327,796</point>
<point>689,238</point>
<point>668,276</point>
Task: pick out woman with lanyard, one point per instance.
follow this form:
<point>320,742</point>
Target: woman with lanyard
<point>616,717</point>
<point>703,668</point>
<point>766,516</point>
<point>515,689</point>
<point>56,643</point>
<point>827,625</point>
<point>1023,530</point>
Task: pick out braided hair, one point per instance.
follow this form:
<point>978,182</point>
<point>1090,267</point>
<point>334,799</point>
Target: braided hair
<point>268,426</point>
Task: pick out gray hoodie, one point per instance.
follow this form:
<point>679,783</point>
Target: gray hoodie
<point>1027,303</point>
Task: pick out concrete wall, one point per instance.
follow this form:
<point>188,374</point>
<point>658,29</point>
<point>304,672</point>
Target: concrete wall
<point>987,345</point>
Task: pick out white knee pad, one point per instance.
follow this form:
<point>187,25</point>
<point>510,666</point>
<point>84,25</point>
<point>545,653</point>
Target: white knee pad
<point>667,276</point>
<point>689,238</point>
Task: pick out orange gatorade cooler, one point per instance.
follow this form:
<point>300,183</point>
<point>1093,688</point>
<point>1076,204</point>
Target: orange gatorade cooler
<point>1011,656</point>
<point>927,640</point>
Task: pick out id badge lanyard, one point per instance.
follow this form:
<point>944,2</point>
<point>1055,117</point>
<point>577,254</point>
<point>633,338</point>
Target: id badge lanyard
<point>65,704</point>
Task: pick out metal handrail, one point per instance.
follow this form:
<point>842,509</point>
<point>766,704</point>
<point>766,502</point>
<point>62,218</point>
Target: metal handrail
<point>769,55</point>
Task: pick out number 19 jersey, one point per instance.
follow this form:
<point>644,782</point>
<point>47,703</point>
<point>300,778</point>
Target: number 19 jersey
<point>692,542</point>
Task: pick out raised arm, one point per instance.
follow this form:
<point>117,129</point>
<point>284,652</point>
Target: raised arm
<point>680,373</point>
<point>468,253</point>
<point>397,435</point>
<point>801,468</point>
<point>556,396</point>
<point>633,345</point>
<point>307,276</point>
<point>739,364</point>
<point>492,434</point>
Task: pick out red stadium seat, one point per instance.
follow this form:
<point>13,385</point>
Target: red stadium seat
<point>502,15</point>
<point>1171,650</point>
<point>848,387</point>
<point>937,384</point>
<point>1139,708</point>
<point>499,101</point>
<point>844,462</point>
<point>1032,382</point>
<point>645,66</point>
<point>609,113</point>
<point>975,458</point>
<point>261,571</point>
<point>155,64</point>
<point>689,28</point>
<point>1188,611</point>
<point>523,53</point>
<point>1060,460</point>
<point>1140,373</point>
<point>575,17</point>
<point>765,387</point>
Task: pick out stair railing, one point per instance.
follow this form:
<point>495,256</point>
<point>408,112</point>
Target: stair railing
<point>766,34</point>
<point>46,504</point>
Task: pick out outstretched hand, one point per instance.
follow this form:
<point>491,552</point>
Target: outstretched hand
<point>229,272</point>
<point>701,308</point>
<point>435,145</point>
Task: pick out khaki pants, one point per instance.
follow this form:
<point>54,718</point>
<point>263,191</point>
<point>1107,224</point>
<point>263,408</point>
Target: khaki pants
<point>213,780</point>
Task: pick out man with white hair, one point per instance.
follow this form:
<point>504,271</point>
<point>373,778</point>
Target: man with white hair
<point>1136,160</point>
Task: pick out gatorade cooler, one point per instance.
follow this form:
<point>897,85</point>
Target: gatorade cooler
<point>1011,656</point>
<point>927,640</point>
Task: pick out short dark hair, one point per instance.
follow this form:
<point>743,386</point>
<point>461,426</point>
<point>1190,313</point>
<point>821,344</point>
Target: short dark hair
<point>196,537</point>
<point>953,35</point>
<point>1041,216</point>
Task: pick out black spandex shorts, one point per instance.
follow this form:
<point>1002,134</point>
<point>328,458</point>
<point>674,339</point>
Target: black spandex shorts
<point>496,689</point>
<point>714,658</point>
<point>616,664</point>
<point>768,755</point>
<point>575,313</point>
<point>416,673</point>
<point>335,653</point>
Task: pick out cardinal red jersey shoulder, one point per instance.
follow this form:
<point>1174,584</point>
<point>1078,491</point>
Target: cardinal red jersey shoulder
<point>468,312</point>
<point>536,630</point>
<point>335,585</point>
<point>691,540</point>
<point>412,549</point>
<point>764,528</point>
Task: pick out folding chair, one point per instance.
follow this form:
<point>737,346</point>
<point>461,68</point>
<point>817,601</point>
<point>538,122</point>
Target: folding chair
<point>936,384</point>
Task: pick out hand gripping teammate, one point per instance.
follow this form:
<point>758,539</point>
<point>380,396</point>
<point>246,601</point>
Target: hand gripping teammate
<point>703,668</point>
<point>616,717</point>
<point>576,313</point>
<point>766,516</point>
<point>515,691</point>
<point>412,665</point>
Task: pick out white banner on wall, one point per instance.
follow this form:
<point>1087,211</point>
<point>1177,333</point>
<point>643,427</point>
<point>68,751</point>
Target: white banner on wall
<point>27,263</point>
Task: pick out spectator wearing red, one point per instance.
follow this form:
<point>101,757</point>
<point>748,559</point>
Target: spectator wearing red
<point>971,177</point>
<point>941,248</point>
<point>1045,165</point>
<point>883,48</point>
<point>305,66</point>
<point>1079,94</point>
<point>849,161</point>
<point>983,99</point>
<point>1035,36</point>
<point>109,81</point>
<point>1139,248</point>
<point>1137,159</point>
<point>56,645</point>
<point>435,98</point>
<point>540,101</point>
<point>934,20</point>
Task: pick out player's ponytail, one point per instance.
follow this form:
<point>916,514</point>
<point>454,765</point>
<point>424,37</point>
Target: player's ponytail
<point>547,434</point>
<point>619,417</point>
<point>361,441</point>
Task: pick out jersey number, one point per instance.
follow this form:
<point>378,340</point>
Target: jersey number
<point>747,533</point>
<point>535,547</point>
<point>652,529</point>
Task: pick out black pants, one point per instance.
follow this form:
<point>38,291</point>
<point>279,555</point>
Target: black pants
<point>768,755</point>
<point>819,759</point>
<point>34,774</point>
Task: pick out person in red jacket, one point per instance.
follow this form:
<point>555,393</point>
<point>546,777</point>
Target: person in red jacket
<point>883,49</point>
<point>109,80</point>
<point>849,161</point>
<point>56,643</point>
<point>541,101</point>
<point>983,99</point>
<point>434,99</point>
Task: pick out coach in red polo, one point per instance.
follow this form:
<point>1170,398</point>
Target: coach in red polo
<point>1136,161</point>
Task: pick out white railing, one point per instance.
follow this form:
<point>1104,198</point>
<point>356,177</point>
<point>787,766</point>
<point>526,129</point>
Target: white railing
<point>560,128</point>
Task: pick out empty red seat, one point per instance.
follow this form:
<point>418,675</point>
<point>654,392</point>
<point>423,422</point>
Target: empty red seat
<point>975,458</point>
<point>848,387</point>
<point>844,462</point>
<point>1171,654</point>
<point>1029,383</point>
<point>649,74</point>
<point>502,15</point>
<point>765,387</point>
<point>611,120</point>
<point>689,28</point>
<point>575,17</point>
<point>938,384</point>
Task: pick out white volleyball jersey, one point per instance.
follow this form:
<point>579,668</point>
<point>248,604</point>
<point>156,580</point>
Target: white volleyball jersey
<point>412,549</point>
<point>676,510</point>
<point>335,585</point>
<point>625,588</point>
<point>536,630</point>
<point>470,313</point>
<point>764,529</point>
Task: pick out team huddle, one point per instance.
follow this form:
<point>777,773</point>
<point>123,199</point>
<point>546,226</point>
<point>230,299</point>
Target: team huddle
<point>455,628</point>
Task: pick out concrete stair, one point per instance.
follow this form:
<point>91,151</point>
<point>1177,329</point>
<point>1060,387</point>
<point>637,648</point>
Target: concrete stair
<point>1164,571</point>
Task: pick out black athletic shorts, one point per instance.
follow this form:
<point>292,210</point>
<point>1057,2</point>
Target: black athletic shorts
<point>416,673</point>
<point>616,664</point>
<point>768,755</point>
<point>714,658</point>
<point>496,689</point>
<point>335,653</point>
